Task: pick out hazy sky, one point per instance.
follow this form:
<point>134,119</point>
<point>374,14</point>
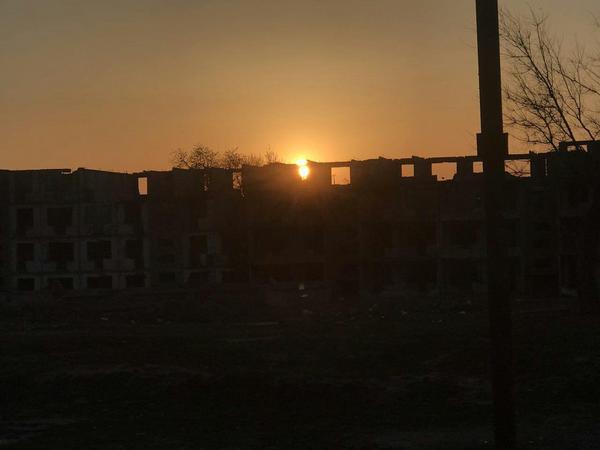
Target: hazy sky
<point>120,84</point>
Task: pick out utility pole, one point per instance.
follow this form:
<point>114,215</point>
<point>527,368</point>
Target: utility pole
<point>492,147</point>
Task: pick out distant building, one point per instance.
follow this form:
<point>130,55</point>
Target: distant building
<point>370,225</point>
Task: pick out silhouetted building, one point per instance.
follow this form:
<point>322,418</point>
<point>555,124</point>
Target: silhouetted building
<point>373,225</point>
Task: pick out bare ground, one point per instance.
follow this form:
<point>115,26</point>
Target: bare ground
<point>184,374</point>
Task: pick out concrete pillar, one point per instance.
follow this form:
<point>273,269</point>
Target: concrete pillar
<point>464,167</point>
<point>537,167</point>
<point>422,168</point>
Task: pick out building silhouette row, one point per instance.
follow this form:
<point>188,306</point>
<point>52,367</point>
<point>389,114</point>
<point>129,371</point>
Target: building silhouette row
<point>359,225</point>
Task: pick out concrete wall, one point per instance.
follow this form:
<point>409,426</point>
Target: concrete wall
<point>378,230</point>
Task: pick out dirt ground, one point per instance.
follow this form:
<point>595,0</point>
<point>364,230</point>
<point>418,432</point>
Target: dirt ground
<point>119,373</point>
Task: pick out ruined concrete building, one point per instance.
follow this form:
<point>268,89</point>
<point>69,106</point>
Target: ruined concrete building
<point>370,225</point>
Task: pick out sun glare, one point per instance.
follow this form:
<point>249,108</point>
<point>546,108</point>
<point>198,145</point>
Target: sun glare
<point>303,169</point>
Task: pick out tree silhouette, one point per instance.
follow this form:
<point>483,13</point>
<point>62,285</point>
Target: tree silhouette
<point>202,157</point>
<point>199,157</point>
<point>551,95</point>
<point>232,159</point>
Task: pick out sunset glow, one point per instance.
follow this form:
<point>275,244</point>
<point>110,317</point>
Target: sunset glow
<point>342,80</point>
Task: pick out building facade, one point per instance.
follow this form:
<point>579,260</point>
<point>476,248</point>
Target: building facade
<point>357,225</point>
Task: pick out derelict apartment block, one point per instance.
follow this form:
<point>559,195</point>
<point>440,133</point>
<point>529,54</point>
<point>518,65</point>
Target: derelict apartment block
<point>95,230</point>
<point>358,225</point>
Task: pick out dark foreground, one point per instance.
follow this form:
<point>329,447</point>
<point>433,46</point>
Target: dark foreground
<point>161,374</point>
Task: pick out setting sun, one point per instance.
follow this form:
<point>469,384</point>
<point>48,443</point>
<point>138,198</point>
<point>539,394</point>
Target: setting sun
<point>303,169</point>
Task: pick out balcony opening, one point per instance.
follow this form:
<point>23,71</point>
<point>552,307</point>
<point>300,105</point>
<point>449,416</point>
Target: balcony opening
<point>142,183</point>
<point>444,171</point>
<point>340,176</point>
<point>407,170</point>
<point>520,168</point>
<point>236,180</point>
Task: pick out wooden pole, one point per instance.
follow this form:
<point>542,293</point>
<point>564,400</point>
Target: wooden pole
<point>492,147</point>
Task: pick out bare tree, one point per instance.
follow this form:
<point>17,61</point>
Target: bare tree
<point>269,157</point>
<point>199,157</point>
<point>232,159</point>
<point>551,96</point>
<point>272,156</point>
<point>202,157</point>
<point>253,159</point>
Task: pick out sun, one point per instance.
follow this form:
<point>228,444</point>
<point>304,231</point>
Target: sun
<point>303,169</point>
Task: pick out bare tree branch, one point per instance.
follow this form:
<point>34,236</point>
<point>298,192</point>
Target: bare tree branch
<point>549,97</point>
<point>202,157</point>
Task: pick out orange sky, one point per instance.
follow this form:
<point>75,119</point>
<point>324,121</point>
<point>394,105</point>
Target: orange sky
<point>120,84</point>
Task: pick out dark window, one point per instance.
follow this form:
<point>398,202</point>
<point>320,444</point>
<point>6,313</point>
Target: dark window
<point>197,279</point>
<point>462,234</point>
<point>60,283</point>
<point>166,251</point>
<point>25,251</point>
<point>134,249</point>
<point>60,219</point>
<point>98,215</point>
<point>26,284</point>
<point>23,186</point>
<point>60,253</point>
<point>25,254</point>
<point>24,220</point>
<point>98,251</point>
<point>137,280</point>
<point>197,212</point>
<point>198,248</point>
<point>167,279</point>
<point>133,214</point>
<point>101,282</point>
